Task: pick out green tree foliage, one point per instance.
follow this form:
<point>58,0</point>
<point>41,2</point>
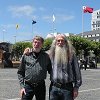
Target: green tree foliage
<point>85,44</point>
<point>80,44</point>
<point>47,44</point>
<point>96,48</point>
<point>19,47</point>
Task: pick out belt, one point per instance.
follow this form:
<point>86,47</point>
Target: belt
<point>63,86</point>
<point>34,84</point>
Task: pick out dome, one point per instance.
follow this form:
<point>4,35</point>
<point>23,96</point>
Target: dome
<point>50,36</point>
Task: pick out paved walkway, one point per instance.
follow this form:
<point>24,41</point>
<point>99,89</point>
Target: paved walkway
<point>90,89</point>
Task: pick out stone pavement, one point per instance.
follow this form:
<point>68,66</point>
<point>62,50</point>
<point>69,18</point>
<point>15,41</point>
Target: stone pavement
<point>90,89</point>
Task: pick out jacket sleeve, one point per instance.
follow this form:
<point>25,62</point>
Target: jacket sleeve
<point>49,67</point>
<point>76,72</point>
<point>21,72</point>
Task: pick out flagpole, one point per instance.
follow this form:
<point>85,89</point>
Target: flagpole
<point>53,26</point>
<point>53,23</point>
<point>15,39</point>
<point>82,55</point>
<point>82,23</point>
<point>33,22</point>
<point>85,10</point>
<point>16,34</point>
<point>32,28</point>
<point>17,27</point>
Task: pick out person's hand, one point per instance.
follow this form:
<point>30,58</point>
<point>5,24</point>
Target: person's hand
<point>22,91</point>
<point>75,93</point>
<point>26,51</point>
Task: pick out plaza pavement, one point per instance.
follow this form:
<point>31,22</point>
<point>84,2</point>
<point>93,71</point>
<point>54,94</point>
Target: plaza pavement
<point>90,89</point>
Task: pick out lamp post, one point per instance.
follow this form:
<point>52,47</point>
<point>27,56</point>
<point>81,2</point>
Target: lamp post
<point>15,38</point>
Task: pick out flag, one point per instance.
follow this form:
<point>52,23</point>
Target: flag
<point>53,18</point>
<point>33,22</point>
<point>87,9</point>
<point>17,26</point>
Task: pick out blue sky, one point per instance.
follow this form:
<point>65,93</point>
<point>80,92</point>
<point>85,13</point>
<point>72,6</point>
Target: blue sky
<point>68,17</point>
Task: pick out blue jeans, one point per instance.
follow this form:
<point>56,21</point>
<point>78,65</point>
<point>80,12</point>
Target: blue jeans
<point>39,91</point>
<point>61,94</point>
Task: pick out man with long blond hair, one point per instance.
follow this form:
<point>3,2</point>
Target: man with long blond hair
<point>66,76</point>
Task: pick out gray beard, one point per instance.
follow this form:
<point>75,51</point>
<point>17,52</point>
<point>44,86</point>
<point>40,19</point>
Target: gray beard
<point>36,49</point>
<point>60,64</point>
<point>61,56</point>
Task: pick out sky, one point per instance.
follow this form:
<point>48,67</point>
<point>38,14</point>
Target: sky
<point>67,13</point>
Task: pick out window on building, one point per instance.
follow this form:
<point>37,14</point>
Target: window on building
<point>93,23</point>
<point>89,35</point>
<point>85,36</point>
<point>93,26</point>
<point>97,40</point>
<point>93,35</point>
<point>98,34</point>
<point>99,25</point>
<point>98,16</point>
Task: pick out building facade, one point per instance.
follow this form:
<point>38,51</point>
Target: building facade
<point>95,21</point>
<point>92,35</point>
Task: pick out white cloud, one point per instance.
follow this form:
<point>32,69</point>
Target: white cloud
<point>65,17</point>
<point>8,26</point>
<point>42,9</point>
<point>26,10</point>
<point>47,18</point>
<point>59,18</point>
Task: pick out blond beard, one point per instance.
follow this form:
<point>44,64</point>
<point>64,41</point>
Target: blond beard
<point>61,55</point>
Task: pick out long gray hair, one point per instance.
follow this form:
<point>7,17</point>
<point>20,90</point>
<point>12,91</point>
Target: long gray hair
<point>70,49</point>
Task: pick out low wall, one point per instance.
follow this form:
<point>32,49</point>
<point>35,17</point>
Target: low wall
<point>15,64</point>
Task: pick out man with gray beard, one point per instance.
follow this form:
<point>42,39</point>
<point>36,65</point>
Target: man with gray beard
<point>66,76</point>
<point>33,70</point>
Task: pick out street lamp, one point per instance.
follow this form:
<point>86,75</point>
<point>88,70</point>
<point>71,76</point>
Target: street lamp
<point>15,38</point>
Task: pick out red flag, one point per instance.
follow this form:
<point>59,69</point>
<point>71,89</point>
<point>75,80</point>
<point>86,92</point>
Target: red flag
<point>87,9</point>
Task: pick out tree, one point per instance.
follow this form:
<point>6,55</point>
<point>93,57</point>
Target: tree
<point>81,45</point>
<point>47,43</point>
<point>19,47</point>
